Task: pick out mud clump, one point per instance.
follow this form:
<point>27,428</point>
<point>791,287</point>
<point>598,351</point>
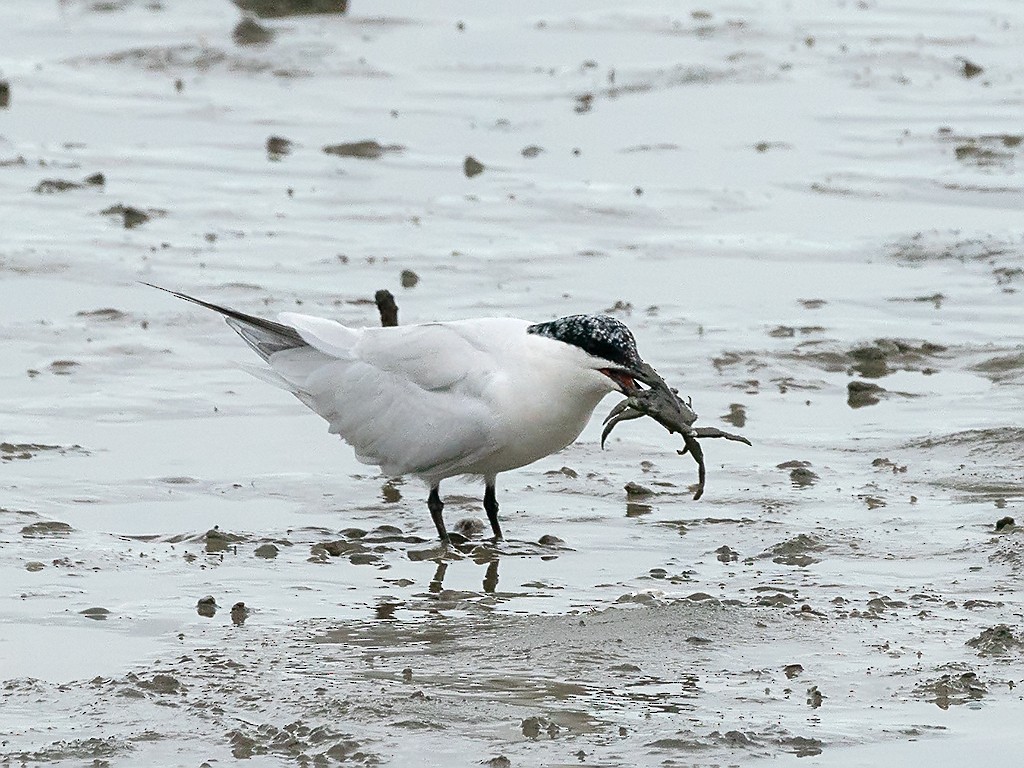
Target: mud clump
<point>569,472</point>
<point>366,150</point>
<point>220,541</point>
<point>952,689</point>
<point>278,9</point>
<point>1005,524</point>
<point>999,640</point>
<point>969,69</point>
<point>872,361</point>
<point>814,697</point>
<point>984,151</point>
<point>46,529</point>
<point>800,473</point>
<point>106,314</point>
<point>737,415</point>
<point>98,751</point>
<point>1001,368</point>
<point>886,463</point>
<point>795,551</point>
<point>316,745</point>
<point>206,606</point>
<point>531,151</point>
<point>941,246</point>
<point>339,548</point>
<point>536,727</point>
<point>409,278</point>
<point>801,746</point>
<point>250,32</point>
<point>364,558</point>
<point>472,167</point>
<point>882,357</point>
<point>266,551</point>
<point>160,684</point>
<point>792,670</point>
<point>239,613</point>
<point>51,186</point>
<point>132,217</point>
<point>96,614</point>
<point>860,394</point>
<point>63,367</point>
<point>5,94</point>
<point>637,491</point>
<point>278,147</point>
<point>389,493</point>
<point>726,554</point>
<point>975,152</point>
<point>22,451</point>
<point>243,747</point>
<point>778,600</point>
<point>470,527</point>
<point>884,603</point>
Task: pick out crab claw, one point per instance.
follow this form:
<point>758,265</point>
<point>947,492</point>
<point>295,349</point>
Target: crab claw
<point>619,408</point>
<point>624,414</point>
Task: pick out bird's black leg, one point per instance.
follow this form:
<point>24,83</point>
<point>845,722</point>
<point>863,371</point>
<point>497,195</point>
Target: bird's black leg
<point>436,507</point>
<point>491,507</point>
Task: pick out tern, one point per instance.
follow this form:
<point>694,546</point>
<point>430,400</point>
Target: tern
<point>438,400</point>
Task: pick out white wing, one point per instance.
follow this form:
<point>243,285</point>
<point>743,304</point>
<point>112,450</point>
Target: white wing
<point>411,399</point>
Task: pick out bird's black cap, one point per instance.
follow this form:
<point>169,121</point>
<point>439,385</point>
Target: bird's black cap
<point>598,335</point>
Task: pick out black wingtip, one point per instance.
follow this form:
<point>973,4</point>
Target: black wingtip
<point>216,308</point>
<point>284,333</point>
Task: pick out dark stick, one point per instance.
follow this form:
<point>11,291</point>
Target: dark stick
<point>387,308</point>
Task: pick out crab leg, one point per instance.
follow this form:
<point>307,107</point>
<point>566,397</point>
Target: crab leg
<point>694,449</point>
<point>716,432</point>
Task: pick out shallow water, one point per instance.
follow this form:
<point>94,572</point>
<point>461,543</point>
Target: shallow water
<point>779,202</point>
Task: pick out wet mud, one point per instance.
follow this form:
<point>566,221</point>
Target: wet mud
<point>837,273</point>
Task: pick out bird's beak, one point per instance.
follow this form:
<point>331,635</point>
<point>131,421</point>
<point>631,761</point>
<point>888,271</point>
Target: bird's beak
<point>645,374</point>
<point>629,379</point>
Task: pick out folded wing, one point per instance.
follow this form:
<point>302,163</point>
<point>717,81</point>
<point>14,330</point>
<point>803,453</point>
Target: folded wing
<point>410,399</point>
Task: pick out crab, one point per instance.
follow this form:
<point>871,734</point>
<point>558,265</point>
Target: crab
<point>663,404</point>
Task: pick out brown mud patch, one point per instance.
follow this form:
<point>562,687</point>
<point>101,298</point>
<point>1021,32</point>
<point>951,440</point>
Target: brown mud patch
<point>368,149</point>
<point>277,9</point>
<point>22,451</point>
<point>954,688</point>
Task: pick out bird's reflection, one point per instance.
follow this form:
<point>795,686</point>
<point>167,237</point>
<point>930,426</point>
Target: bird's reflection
<point>385,609</point>
<point>437,583</point>
<point>491,576</point>
<point>490,580</point>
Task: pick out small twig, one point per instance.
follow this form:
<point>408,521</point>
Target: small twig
<point>387,307</point>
